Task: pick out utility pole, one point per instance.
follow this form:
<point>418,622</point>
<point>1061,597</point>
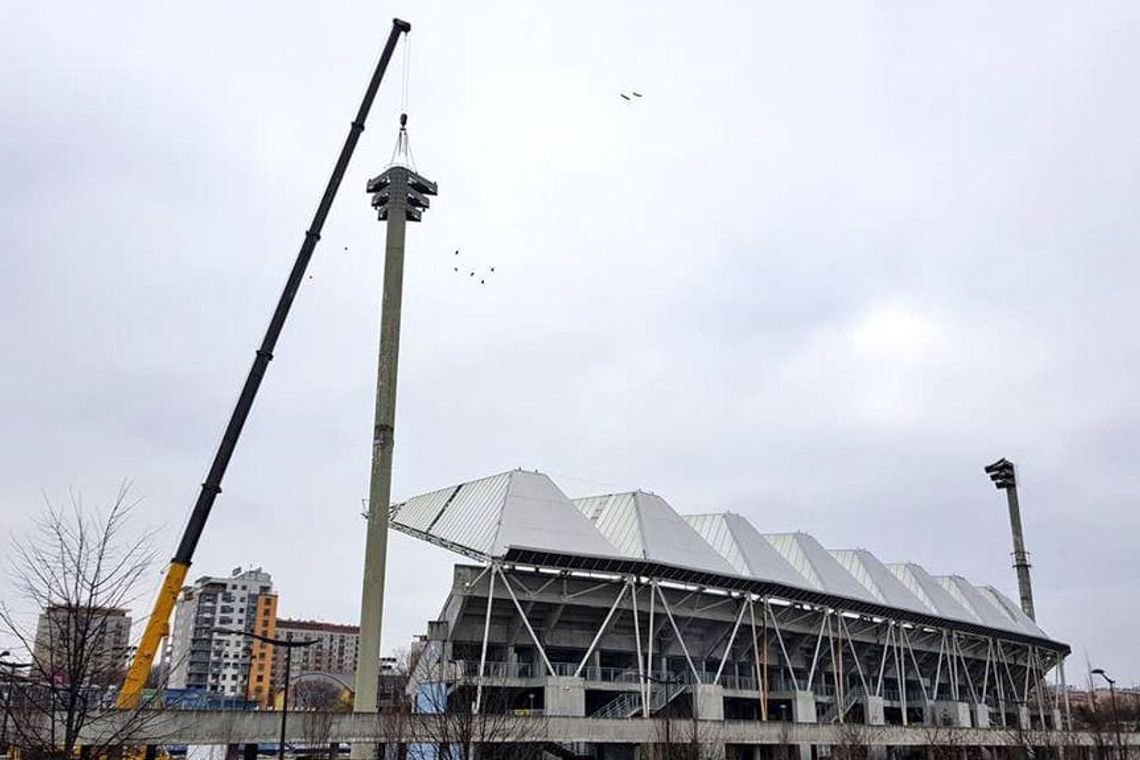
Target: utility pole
<point>399,196</point>
<point>1004,477</point>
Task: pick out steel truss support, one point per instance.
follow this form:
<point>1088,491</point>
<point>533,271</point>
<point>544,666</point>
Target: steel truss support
<point>637,642</point>
<point>965,666</point>
<point>938,669</point>
<point>601,629</point>
<point>914,661</point>
<point>677,632</point>
<point>761,670</point>
<point>486,636</point>
<point>900,671</point>
<point>529,629</point>
<point>855,656</point>
<point>649,653</point>
<point>780,639</point>
<point>1064,690</point>
<point>732,637</point>
<point>883,661</point>
<point>986,671</point>
<point>815,656</point>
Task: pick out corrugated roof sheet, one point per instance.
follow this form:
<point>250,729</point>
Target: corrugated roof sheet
<point>486,516</point>
<point>642,524</point>
<point>806,555</point>
<point>734,538</point>
<point>1013,609</point>
<point>923,585</point>
<point>965,593</point>
<point>877,579</point>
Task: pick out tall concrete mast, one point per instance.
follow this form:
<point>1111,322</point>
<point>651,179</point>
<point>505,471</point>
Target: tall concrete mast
<point>400,196</point>
<point>1003,474</point>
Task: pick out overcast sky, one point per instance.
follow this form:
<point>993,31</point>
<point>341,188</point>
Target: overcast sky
<point>838,257</point>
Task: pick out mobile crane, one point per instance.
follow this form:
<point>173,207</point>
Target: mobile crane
<point>157,626</point>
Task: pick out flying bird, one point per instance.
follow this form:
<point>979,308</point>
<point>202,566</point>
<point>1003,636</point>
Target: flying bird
<point>456,251</point>
<point>626,97</point>
<point>636,94</point>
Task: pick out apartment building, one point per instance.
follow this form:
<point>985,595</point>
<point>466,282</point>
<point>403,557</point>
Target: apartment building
<point>333,652</point>
<point>102,634</point>
<point>204,656</point>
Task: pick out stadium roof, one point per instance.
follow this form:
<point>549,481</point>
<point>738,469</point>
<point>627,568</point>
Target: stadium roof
<point>520,514</point>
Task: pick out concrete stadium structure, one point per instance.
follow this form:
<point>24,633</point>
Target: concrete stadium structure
<point>616,606</point>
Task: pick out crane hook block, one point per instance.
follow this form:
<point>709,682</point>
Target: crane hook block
<point>403,120</point>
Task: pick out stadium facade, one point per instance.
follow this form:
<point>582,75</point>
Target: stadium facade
<point>617,606</point>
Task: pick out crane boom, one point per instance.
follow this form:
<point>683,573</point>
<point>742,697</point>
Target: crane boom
<point>157,623</point>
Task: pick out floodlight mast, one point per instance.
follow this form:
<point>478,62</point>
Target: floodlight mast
<point>399,196</point>
<point>158,623</point>
<point>1004,476</point>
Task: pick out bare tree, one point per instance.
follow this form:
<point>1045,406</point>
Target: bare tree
<point>320,695</point>
<point>850,742</point>
<point>943,741</point>
<point>784,750</point>
<point>684,737</point>
<point>82,569</point>
<point>454,716</point>
<point>318,702</point>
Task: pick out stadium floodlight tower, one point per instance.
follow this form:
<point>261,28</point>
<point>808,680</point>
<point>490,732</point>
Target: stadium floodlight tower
<point>1002,473</point>
<point>399,195</point>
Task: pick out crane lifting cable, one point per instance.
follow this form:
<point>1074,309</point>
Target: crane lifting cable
<point>402,151</point>
<point>157,623</point>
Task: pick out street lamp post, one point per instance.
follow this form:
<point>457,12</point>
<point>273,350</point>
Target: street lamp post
<point>1115,715</point>
<point>289,647</point>
<point>12,667</point>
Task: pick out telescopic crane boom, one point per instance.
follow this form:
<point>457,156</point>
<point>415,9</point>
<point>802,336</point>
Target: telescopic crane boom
<point>157,623</point>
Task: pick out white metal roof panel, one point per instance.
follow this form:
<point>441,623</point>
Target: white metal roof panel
<point>472,517</point>
<point>735,539</point>
<point>615,517</point>
<point>526,510</point>
<point>536,513</point>
<point>488,515</point>
<point>965,593</point>
<point>421,512</point>
<point>642,524</point>
<point>813,561</point>
<point>995,607</point>
<point>1013,609</point>
<point>877,579</point>
<point>923,585</point>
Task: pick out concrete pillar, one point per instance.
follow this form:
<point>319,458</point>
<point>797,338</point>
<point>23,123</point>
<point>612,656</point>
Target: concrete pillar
<point>981,716</point>
<point>803,707</point>
<point>1024,718</point>
<point>803,711</point>
<point>948,713</point>
<point>874,711</point>
<point>709,701</point>
<point>874,714</point>
<point>565,696</point>
<point>1058,721</point>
